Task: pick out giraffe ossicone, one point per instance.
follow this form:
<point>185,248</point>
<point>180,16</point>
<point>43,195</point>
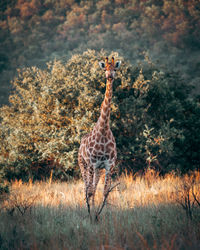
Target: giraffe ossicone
<point>98,148</point>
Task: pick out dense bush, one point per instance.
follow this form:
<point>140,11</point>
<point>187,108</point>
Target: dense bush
<point>153,120</point>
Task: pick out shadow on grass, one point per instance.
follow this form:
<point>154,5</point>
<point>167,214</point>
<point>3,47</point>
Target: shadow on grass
<point>152,227</point>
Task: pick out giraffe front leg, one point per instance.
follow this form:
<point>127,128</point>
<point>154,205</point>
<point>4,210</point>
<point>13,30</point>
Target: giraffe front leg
<point>107,189</point>
<point>87,198</point>
<point>95,182</point>
<point>107,185</point>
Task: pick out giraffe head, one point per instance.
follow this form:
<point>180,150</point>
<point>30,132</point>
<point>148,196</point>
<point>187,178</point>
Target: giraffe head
<point>110,67</point>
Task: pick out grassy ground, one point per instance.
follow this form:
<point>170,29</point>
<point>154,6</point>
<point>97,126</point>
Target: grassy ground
<point>148,212</point>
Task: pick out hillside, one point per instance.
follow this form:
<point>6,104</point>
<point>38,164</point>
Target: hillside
<point>33,32</point>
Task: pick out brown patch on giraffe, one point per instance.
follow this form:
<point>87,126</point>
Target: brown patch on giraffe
<point>113,139</point>
<point>103,139</point>
<point>105,109</point>
<point>92,144</point>
<point>100,153</point>
<point>109,146</point>
<point>97,147</point>
<point>101,130</point>
<point>107,156</point>
<point>103,115</point>
<point>109,135</point>
<point>83,150</point>
<point>102,147</point>
<point>93,160</point>
<point>94,153</point>
<point>106,101</point>
<point>101,123</point>
<point>107,95</point>
<point>98,137</point>
<point>109,150</point>
<point>112,154</point>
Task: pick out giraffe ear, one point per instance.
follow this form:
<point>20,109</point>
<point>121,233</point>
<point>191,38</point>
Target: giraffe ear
<point>102,65</point>
<point>117,65</point>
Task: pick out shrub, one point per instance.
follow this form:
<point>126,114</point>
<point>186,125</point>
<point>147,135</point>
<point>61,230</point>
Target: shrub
<point>153,120</point>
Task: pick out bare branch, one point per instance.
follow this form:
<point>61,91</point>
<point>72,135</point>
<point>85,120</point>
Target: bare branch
<point>195,197</point>
<point>104,201</point>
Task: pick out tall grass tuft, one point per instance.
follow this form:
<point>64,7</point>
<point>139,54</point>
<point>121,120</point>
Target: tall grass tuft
<point>143,212</point>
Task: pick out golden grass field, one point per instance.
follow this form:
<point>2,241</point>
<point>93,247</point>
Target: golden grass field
<point>143,212</point>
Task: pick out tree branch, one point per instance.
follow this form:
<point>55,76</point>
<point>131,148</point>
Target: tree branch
<point>104,201</point>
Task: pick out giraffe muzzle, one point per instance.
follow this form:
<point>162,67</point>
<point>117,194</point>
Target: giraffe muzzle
<point>110,77</point>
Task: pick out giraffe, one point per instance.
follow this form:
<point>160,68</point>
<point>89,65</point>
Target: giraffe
<point>98,148</point>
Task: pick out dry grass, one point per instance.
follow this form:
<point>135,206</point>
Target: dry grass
<point>150,189</point>
<point>144,212</point>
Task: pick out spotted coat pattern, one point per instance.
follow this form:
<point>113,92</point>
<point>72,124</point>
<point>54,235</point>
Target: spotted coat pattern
<point>98,148</point>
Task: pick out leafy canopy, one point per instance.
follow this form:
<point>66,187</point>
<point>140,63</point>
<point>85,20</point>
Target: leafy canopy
<point>153,120</point>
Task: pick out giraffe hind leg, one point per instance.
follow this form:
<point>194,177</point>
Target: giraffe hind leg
<point>90,176</point>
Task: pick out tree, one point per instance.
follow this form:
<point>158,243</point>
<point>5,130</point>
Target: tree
<point>152,118</point>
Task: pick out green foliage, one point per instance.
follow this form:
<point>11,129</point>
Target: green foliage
<point>153,120</point>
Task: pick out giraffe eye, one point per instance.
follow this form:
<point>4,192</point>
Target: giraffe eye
<point>117,65</point>
<point>102,65</point>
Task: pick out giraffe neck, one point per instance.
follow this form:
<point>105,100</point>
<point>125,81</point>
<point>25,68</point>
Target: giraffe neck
<point>103,121</point>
